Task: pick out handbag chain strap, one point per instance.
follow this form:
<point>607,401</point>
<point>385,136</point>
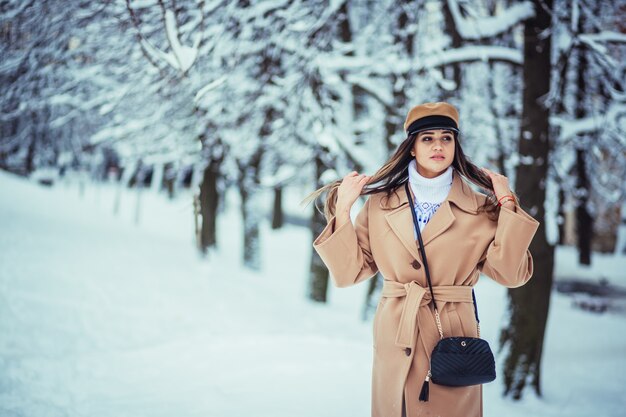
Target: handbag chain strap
<point>423,253</point>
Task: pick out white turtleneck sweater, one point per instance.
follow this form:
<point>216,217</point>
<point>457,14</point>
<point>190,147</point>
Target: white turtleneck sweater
<point>429,193</point>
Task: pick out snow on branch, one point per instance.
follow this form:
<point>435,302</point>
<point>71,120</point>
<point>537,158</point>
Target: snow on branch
<point>487,27</point>
<point>612,119</point>
<point>379,91</point>
<point>606,36</point>
<point>469,53</point>
<point>185,56</point>
<point>158,55</point>
<point>593,42</point>
<point>181,57</point>
<point>474,53</point>
<point>210,86</point>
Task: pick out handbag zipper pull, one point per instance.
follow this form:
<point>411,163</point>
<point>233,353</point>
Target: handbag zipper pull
<point>424,392</point>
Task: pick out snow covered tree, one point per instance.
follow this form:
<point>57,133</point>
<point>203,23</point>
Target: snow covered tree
<point>587,100</point>
<point>46,111</point>
<point>176,41</point>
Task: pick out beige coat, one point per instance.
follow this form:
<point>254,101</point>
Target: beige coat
<point>460,243</point>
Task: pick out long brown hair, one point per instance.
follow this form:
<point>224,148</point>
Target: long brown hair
<point>395,173</point>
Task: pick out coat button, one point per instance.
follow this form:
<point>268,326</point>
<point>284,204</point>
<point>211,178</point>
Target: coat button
<point>407,351</point>
<point>415,264</point>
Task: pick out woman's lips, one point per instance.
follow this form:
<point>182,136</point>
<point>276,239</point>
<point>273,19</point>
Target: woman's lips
<point>437,158</point>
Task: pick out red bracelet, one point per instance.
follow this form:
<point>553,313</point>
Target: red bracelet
<point>509,196</point>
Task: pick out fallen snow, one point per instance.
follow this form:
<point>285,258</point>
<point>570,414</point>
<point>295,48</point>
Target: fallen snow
<point>100,316</point>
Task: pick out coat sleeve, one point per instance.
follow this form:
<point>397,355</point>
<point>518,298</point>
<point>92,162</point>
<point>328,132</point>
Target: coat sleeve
<point>346,251</point>
<point>507,259</point>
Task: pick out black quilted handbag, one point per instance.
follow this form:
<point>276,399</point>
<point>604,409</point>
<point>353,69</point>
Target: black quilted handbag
<point>455,361</point>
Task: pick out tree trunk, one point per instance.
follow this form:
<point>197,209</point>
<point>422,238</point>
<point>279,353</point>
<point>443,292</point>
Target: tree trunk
<point>209,200</point>
<point>561,216</point>
<point>455,68</point>
<point>318,278</point>
<point>29,164</point>
<point>528,305</point>
<point>139,188</point>
<point>277,213</point>
<point>584,225</point>
<point>563,63</point>
<point>584,231</point>
<point>250,210</point>
<point>394,119</point>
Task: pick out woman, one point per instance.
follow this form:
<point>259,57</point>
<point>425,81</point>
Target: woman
<point>464,233</point>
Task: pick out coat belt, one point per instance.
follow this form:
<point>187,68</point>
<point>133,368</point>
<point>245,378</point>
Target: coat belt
<point>416,307</point>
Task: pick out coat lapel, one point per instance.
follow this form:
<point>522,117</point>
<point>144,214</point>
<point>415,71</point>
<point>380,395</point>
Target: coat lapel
<point>400,219</point>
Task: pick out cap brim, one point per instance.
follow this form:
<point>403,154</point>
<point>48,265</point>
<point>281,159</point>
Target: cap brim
<point>452,129</point>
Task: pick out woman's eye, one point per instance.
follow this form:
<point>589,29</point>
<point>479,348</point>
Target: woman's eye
<point>428,138</point>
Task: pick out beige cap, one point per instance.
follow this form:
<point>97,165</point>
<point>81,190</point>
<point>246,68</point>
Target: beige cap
<point>440,115</point>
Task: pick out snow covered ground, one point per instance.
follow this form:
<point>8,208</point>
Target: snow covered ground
<point>100,316</point>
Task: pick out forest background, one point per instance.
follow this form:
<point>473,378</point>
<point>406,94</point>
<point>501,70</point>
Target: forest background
<point>192,100</point>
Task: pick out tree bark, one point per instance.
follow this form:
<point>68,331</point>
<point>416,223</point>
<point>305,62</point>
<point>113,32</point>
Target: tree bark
<point>584,222</point>
<point>584,228</point>
<point>528,305</point>
<point>561,216</point>
<point>209,200</point>
<point>277,216</point>
<point>29,164</point>
<point>249,185</point>
<point>394,119</point>
<point>457,42</point>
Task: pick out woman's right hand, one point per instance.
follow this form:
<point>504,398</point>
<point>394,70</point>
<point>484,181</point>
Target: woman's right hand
<point>349,190</point>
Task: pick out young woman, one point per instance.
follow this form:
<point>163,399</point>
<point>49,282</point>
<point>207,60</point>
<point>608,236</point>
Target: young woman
<point>464,233</point>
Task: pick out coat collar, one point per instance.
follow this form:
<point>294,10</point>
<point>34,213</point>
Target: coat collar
<point>401,221</point>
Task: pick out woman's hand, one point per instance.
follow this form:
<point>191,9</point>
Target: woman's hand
<point>500,187</point>
<point>349,190</point>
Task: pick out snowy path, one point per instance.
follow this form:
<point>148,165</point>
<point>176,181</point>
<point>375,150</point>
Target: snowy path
<point>99,317</point>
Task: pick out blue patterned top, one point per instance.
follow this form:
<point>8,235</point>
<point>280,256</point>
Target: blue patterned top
<point>424,211</point>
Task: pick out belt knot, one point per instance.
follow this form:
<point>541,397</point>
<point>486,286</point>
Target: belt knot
<point>415,308</point>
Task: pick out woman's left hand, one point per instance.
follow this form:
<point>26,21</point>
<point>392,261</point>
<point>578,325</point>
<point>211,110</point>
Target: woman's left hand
<point>500,186</point>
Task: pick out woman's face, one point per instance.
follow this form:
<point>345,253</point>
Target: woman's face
<point>433,151</point>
